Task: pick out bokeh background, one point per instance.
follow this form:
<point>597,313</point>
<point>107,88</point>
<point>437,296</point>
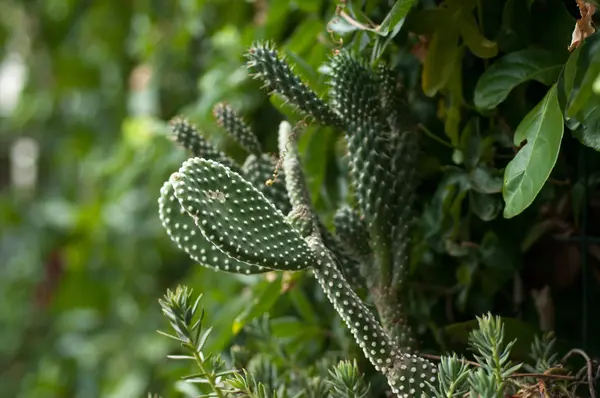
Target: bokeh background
<point>86,92</point>
<point>87,88</point>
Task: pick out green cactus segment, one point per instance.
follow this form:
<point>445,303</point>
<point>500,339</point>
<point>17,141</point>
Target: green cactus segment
<point>403,147</point>
<point>258,170</point>
<point>237,128</point>
<point>185,234</point>
<point>394,109</point>
<point>302,219</point>
<point>355,93</point>
<point>294,176</point>
<point>188,136</point>
<point>352,231</point>
<point>407,374</point>
<point>393,318</point>
<point>278,76</point>
<point>348,265</point>
<point>237,218</point>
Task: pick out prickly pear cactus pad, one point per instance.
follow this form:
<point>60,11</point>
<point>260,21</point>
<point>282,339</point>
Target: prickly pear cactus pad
<point>237,218</point>
<point>185,234</point>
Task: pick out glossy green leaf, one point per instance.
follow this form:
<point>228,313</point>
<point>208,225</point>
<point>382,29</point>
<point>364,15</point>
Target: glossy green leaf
<point>575,93</point>
<point>341,26</point>
<point>440,61</point>
<point>527,173</point>
<point>588,132</point>
<point>566,80</point>
<point>485,180</point>
<point>392,23</point>
<point>454,100</point>
<point>513,69</point>
<point>303,305</point>
<point>291,327</point>
<point>477,43</point>
<point>304,37</point>
<point>587,71</point>
<point>486,207</point>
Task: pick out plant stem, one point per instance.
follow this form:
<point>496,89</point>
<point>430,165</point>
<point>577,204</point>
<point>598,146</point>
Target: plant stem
<point>209,377</point>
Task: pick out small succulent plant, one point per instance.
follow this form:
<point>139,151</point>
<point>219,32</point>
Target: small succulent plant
<point>227,217</point>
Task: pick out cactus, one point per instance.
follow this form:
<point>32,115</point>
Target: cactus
<point>277,75</point>
<point>230,121</point>
<point>259,171</point>
<point>252,226</point>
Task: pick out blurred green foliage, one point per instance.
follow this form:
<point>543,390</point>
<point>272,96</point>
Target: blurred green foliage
<point>84,259</point>
<point>83,153</point>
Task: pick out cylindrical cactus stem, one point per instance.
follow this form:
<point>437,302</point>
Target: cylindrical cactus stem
<point>228,118</point>
<point>352,231</point>
<point>299,197</point>
<point>259,171</point>
<point>407,374</point>
<point>278,76</point>
<point>393,317</point>
<point>188,136</point>
<point>350,267</point>
<point>294,176</point>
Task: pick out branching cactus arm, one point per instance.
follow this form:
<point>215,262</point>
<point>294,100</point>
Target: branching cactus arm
<point>278,76</point>
<point>237,218</point>
<point>355,95</point>
<point>188,136</point>
<point>298,192</point>
<point>353,233</point>
<point>228,118</point>
<point>294,176</point>
<point>350,267</point>
<point>407,374</point>
<point>185,234</point>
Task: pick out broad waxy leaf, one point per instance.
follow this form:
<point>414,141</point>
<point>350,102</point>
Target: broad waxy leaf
<point>526,174</point>
<point>477,43</point>
<point>575,90</point>
<point>513,69</point>
<point>587,71</point>
<point>588,133</point>
<point>440,61</point>
<point>485,206</point>
<point>394,20</point>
